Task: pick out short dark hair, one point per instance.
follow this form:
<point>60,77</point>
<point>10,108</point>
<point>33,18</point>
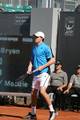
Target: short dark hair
<point>78,66</point>
<point>58,62</point>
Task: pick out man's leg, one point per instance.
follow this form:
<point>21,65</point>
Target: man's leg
<point>46,97</point>
<point>32,115</point>
<point>34,96</point>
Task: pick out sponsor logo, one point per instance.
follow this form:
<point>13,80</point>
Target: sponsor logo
<point>69,26</point>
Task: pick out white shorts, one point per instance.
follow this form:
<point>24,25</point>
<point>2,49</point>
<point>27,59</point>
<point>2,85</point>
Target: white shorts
<point>41,80</point>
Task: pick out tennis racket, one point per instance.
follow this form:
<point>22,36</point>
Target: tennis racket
<point>23,76</point>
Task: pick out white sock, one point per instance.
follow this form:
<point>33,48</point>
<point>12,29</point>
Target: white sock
<point>51,107</point>
<point>33,110</point>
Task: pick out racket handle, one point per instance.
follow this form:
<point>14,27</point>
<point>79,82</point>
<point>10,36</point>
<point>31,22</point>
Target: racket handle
<point>34,70</point>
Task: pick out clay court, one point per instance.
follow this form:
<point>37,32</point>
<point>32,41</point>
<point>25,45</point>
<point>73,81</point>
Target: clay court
<point>17,113</point>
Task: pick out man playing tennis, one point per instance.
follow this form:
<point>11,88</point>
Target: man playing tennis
<point>41,59</point>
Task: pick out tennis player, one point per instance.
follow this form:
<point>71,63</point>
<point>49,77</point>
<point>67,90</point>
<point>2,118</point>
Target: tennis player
<point>41,60</point>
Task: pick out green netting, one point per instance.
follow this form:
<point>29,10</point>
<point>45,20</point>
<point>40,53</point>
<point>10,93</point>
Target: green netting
<point>19,8</point>
<point>27,8</point>
<point>1,7</point>
<point>8,8</point>
<point>1,4</point>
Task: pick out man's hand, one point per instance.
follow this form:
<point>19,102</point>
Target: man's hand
<point>40,68</point>
<point>66,91</point>
<point>60,88</point>
<point>29,72</point>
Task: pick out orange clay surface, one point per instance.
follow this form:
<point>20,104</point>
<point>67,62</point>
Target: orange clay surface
<point>17,113</point>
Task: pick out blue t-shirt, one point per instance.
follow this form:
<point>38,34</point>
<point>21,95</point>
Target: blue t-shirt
<point>40,54</point>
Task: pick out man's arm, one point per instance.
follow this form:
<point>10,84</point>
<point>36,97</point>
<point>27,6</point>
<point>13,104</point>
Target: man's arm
<point>70,84</point>
<point>65,78</point>
<point>50,62</point>
<point>68,88</point>
<point>61,87</point>
<point>29,67</point>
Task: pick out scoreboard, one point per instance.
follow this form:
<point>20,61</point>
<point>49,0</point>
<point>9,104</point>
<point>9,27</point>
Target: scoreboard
<point>14,24</point>
<point>15,51</point>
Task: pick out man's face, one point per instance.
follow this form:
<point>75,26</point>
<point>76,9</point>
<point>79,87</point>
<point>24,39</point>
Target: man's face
<point>37,40</point>
<point>78,70</point>
<point>58,66</point>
